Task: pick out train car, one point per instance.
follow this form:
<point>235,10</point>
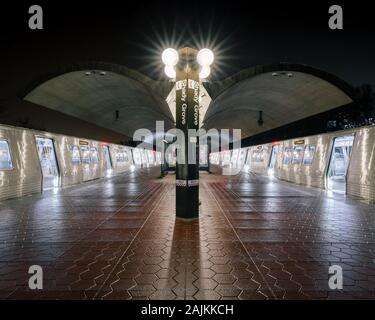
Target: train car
<point>341,162</point>
<point>20,170</point>
<point>33,161</point>
<point>122,158</point>
<point>321,161</point>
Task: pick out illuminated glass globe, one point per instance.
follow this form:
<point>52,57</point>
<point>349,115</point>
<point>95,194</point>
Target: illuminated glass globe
<point>170,71</point>
<point>205,57</point>
<point>169,57</point>
<point>205,72</point>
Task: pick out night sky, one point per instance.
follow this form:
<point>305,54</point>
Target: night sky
<point>242,34</point>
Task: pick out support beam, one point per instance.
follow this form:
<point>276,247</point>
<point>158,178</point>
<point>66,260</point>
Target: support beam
<point>187,117</point>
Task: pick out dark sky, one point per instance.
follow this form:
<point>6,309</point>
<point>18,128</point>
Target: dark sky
<point>242,34</point>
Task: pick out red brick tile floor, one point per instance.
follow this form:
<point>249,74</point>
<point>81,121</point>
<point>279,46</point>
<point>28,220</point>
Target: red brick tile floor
<point>118,238</point>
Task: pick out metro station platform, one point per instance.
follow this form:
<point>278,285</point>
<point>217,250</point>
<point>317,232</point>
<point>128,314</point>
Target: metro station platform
<point>256,238</point>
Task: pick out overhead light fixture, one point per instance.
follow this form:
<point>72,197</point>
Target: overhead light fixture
<point>260,119</point>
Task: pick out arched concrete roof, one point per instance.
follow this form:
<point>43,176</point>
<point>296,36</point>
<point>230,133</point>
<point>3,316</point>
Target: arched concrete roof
<point>94,91</point>
<point>283,92</point>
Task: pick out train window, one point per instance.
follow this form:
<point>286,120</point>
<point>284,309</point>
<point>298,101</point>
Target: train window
<point>257,156</point>
<point>76,158</point>
<point>122,156</point>
<point>94,155</point>
<point>308,156</point>
<point>85,154</point>
<point>288,155</point>
<point>297,155</point>
<point>5,158</point>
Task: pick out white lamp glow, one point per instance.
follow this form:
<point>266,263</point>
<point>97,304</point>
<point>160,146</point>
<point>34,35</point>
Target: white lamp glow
<point>169,57</point>
<point>205,57</point>
<point>170,71</point>
<point>205,72</point>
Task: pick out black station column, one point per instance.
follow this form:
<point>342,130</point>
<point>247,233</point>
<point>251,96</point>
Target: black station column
<point>187,117</point>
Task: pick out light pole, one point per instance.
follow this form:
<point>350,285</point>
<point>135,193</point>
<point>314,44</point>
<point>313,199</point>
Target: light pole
<point>187,67</point>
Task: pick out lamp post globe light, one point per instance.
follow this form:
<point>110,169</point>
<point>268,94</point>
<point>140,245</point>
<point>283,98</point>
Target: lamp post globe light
<point>205,72</point>
<point>170,57</point>
<point>170,71</point>
<point>205,57</point>
<point>187,67</point>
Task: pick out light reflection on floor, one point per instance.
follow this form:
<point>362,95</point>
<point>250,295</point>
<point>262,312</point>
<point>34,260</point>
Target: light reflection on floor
<point>256,238</point>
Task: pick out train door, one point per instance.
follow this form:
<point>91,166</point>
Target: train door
<point>203,157</point>
<point>86,162</point>
<point>226,157</point>
<point>246,161</point>
<point>48,162</point>
<point>273,159</point>
<point>144,158</point>
<point>241,158</point>
<point>137,157</point>
<point>107,160</point>
<point>234,158</point>
<point>151,157</point>
<point>339,163</point>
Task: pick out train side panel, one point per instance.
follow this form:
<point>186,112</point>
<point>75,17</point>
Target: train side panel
<point>292,163</point>
<point>361,173</point>
<point>21,174</point>
<point>121,158</point>
<point>259,158</point>
<point>69,157</point>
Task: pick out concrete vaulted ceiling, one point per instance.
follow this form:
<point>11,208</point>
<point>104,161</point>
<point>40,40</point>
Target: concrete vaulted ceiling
<point>94,95</point>
<point>284,93</point>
